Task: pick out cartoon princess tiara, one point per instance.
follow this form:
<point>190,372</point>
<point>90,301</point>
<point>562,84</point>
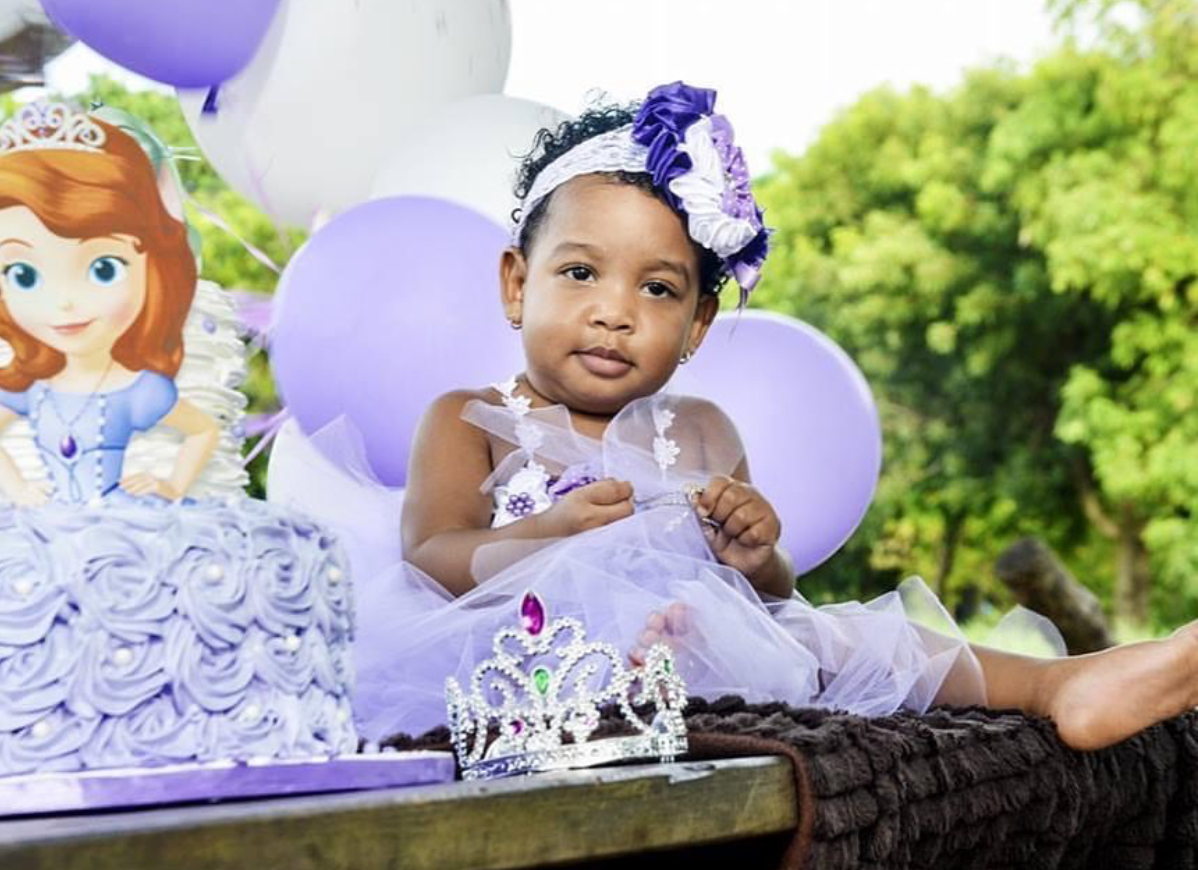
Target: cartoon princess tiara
<point>50,125</point>
<point>536,703</point>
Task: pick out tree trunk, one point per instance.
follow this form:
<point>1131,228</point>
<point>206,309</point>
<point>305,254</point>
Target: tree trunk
<point>1133,580</point>
<point>1133,575</point>
<point>1042,583</point>
<point>948,553</point>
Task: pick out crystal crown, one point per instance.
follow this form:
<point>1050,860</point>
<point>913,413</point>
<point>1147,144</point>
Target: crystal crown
<point>536,703</point>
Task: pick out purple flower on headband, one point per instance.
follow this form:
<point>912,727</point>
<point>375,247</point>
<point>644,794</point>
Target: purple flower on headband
<point>674,107</point>
<point>694,161</point>
<point>746,263</point>
<point>661,124</point>
<point>738,199</point>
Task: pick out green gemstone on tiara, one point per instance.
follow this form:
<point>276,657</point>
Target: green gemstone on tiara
<point>540,679</point>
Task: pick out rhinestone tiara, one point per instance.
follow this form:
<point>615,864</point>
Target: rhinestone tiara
<point>39,126</point>
<point>535,704</point>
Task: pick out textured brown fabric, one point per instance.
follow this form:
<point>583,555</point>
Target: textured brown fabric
<point>976,788</point>
<point>961,788</point>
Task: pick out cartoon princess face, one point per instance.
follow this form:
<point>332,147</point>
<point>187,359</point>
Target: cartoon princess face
<point>77,296</point>
<point>88,247</point>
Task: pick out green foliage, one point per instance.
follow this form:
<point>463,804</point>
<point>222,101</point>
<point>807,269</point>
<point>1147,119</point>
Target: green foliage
<point>1014,265</point>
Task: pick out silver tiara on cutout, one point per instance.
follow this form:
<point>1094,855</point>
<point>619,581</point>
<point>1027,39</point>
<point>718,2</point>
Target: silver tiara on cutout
<point>536,703</point>
<point>40,125</point>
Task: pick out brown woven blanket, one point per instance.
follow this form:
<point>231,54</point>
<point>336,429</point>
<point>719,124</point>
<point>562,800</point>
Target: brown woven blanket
<point>963,788</point>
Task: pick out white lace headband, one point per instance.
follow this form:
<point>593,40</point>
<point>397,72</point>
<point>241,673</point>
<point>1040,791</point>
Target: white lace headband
<point>613,151</point>
<point>688,151</point>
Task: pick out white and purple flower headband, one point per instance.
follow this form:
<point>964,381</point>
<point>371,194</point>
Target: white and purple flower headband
<point>688,150</point>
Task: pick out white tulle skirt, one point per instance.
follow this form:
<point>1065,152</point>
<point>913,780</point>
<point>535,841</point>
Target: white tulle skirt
<point>898,651</point>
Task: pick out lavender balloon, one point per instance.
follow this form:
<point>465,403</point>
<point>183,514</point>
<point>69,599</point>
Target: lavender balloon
<point>185,43</point>
<point>807,418</point>
<point>389,305</point>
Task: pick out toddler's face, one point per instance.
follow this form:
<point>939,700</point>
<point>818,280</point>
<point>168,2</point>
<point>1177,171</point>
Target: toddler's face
<point>608,296</point>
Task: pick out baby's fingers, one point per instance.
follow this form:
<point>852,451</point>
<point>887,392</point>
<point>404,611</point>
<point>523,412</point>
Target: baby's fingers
<point>594,515</point>
<point>752,523</point>
<point>740,519</point>
<point>734,497</point>
<point>717,539</point>
<point>607,491</point>
<point>711,494</point>
<point>760,534</point>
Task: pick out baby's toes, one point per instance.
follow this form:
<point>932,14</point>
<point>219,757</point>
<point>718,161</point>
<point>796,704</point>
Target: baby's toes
<point>656,622</point>
<point>648,637</point>
<point>677,618</point>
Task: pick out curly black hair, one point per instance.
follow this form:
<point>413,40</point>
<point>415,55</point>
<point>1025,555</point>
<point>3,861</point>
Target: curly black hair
<point>550,144</point>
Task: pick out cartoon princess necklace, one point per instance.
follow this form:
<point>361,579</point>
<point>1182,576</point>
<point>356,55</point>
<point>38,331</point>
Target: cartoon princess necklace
<point>67,445</point>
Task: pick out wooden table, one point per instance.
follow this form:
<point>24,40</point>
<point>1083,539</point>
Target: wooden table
<point>532,821</point>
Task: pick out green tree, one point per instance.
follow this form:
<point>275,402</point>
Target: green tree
<point>1012,264</point>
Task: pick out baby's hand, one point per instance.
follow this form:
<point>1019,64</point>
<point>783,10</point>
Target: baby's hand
<point>148,484</point>
<point>587,507</point>
<point>31,495</point>
<point>747,528</point>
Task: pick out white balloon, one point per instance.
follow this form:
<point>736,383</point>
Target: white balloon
<point>363,513</point>
<point>467,152</point>
<point>334,85</point>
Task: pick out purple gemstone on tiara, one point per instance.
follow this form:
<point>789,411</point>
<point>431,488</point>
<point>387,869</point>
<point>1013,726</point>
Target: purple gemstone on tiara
<point>67,446</point>
<point>532,613</point>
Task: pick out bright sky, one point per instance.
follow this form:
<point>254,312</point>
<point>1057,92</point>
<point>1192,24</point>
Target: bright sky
<point>782,67</point>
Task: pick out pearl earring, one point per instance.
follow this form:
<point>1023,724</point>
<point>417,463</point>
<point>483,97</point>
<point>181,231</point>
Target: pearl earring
<point>686,357</point>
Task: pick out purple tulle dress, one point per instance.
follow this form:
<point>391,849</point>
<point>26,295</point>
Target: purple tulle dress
<point>868,658</point>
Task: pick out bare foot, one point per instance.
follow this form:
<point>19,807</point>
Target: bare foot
<point>665,628</point>
<point>1101,698</point>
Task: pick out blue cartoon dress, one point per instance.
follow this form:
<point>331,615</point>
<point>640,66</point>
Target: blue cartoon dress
<point>82,438</point>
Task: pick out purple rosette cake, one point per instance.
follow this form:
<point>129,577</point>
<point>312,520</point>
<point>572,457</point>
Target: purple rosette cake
<point>150,613</point>
<point>136,631</point>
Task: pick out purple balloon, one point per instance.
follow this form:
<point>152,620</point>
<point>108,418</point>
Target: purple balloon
<point>386,307</point>
<point>185,43</point>
<point>807,419</point>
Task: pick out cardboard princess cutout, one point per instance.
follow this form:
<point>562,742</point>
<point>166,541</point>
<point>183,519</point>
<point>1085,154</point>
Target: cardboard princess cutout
<point>150,613</point>
<point>96,282</point>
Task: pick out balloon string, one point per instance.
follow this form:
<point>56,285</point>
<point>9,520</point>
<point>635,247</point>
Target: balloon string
<point>269,210</point>
<point>210,106</point>
<point>220,223</point>
<point>269,427</point>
